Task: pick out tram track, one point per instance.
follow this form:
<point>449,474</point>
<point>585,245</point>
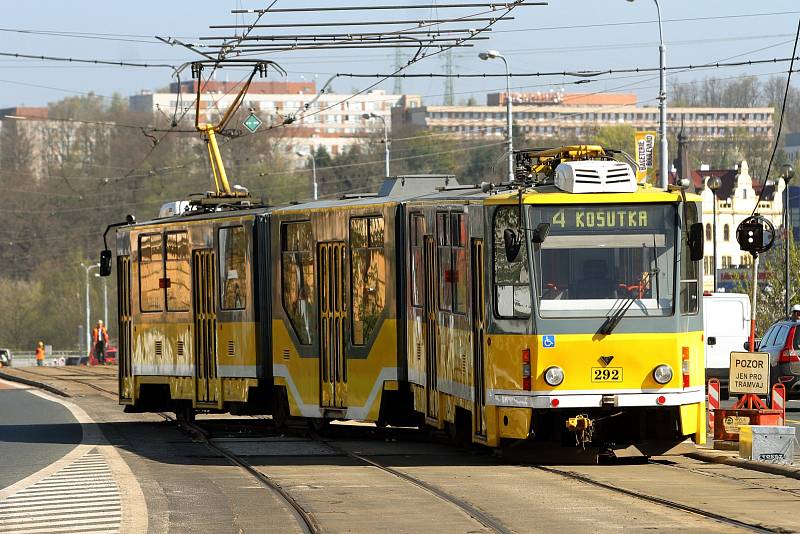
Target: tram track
<point>481,517</point>
<point>304,519</point>
<point>751,527</point>
<point>78,380</point>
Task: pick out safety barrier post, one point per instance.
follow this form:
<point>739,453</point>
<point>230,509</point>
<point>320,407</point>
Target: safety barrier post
<point>779,400</point>
<point>713,401</point>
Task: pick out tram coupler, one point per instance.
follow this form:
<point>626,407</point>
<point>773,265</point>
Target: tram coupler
<point>583,427</point>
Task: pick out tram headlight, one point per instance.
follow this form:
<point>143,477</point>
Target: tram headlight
<point>553,375</point>
<point>662,374</point>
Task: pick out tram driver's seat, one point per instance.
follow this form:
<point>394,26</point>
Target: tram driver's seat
<point>595,283</point>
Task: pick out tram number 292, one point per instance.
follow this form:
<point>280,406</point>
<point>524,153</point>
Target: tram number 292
<point>606,374</point>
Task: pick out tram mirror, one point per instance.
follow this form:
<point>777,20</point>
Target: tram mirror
<point>512,244</point>
<point>105,262</point>
<point>541,232</point>
<point>696,241</point>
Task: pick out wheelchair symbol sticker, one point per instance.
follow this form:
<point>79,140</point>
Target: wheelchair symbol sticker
<point>548,342</point>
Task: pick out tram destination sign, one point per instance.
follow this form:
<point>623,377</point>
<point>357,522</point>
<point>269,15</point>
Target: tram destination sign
<point>749,373</point>
<point>630,218</point>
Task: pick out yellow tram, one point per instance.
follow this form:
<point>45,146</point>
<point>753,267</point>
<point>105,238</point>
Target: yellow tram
<point>562,307</point>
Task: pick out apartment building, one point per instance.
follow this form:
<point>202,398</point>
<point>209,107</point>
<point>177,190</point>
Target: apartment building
<point>331,120</point>
<point>563,115</point>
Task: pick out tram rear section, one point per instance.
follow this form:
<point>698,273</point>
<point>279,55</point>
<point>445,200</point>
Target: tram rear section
<point>561,308</point>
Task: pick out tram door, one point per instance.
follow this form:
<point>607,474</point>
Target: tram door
<point>204,274</point>
<point>478,321</point>
<point>124,363</point>
<point>332,319</point>
<point>432,393</point>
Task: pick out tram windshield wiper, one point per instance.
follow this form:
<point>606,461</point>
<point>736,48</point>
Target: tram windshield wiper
<point>614,319</point>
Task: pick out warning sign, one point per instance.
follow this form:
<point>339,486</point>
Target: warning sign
<point>749,373</point>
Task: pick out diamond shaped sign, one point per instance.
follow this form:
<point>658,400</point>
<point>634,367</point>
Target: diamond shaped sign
<point>252,123</point>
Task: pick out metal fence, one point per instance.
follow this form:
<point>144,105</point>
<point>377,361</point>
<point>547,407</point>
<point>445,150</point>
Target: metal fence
<point>27,358</point>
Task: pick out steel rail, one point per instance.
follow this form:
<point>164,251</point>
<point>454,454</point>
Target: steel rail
<point>656,500</point>
<point>494,5</point>
<point>359,23</point>
<point>64,378</point>
<point>306,521</point>
<point>481,517</point>
<point>468,31</point>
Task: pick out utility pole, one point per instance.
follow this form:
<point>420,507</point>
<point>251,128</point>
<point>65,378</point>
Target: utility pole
<point>449,81</point>
<point>398,64</point>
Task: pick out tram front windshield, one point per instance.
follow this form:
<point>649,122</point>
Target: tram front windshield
<point>599,258</point>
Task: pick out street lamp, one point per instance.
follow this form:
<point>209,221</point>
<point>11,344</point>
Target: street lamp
<point>662,101</point>
<point>714,183</point>
<point>88,336</point>
<point>787,173</point>
<point>368,116</point>
<point>313,169</point>
<point>494,54</point>
<point>105,298</point>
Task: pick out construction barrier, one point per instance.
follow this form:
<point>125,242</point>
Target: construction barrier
<point>713,401</point>
<point>779,401</point>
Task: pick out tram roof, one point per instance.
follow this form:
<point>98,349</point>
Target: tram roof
<point>552,195</point>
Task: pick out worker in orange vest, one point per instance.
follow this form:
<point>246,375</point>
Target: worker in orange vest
<point>100,337</point>
<point>40,354</point>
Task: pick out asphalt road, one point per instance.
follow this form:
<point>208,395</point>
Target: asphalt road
<point>34,433</point>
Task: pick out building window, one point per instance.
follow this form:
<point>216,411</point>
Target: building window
<point>746,260</point>
<point>708,232</point>
<point>708,265</point>
<point>726,262</point>
<point>233,268</point>
<point>297,272</point>
<point>368,276</point>
<point>726,232</point>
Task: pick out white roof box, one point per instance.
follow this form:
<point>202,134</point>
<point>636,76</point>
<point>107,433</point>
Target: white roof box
<point>595,176</point>
<point>172,208</point>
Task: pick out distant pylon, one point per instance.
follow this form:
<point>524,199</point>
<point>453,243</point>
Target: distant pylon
<point>398,64</point>
<point>449,86</point>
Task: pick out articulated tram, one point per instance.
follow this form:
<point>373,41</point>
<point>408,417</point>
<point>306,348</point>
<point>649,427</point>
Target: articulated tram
<point>564,307</point>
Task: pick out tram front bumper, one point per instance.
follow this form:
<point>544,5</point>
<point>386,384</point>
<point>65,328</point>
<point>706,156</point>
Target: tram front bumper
<point>574,399</point>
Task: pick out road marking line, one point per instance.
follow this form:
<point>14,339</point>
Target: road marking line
<point>118,480</point>
<point>793,421</point>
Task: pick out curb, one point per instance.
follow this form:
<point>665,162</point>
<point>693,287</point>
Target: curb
<point>34,383</point>
<point>773,469</point>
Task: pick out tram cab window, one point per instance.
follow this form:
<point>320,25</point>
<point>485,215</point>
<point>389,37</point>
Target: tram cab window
<point>151,268</point>
<point>512,289</point>
<point>233,268</point>
<point>297,273</point>
<point>597,258</point>
<point>690,270</point>
<point>451,231</point>
<point>179,272</point>
<point>367,276</point>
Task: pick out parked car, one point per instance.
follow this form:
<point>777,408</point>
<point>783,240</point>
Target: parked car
<point>782,342</point>
<point>5,358</point>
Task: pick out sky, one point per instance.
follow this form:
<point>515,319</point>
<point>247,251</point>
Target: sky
<point>564,35</point>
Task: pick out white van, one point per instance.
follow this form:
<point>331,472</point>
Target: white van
<point>726,322</point>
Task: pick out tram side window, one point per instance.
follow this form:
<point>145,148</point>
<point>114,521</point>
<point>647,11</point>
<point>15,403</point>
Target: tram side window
<point>233,268</point>
<point>178,272</point>
<point>297,272</point>
<point>452,239</point>
<point>512,290</point>
<point>368,276</point>
<point>690,270</point>
<point>151,268</point>
<point>417,267</point>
